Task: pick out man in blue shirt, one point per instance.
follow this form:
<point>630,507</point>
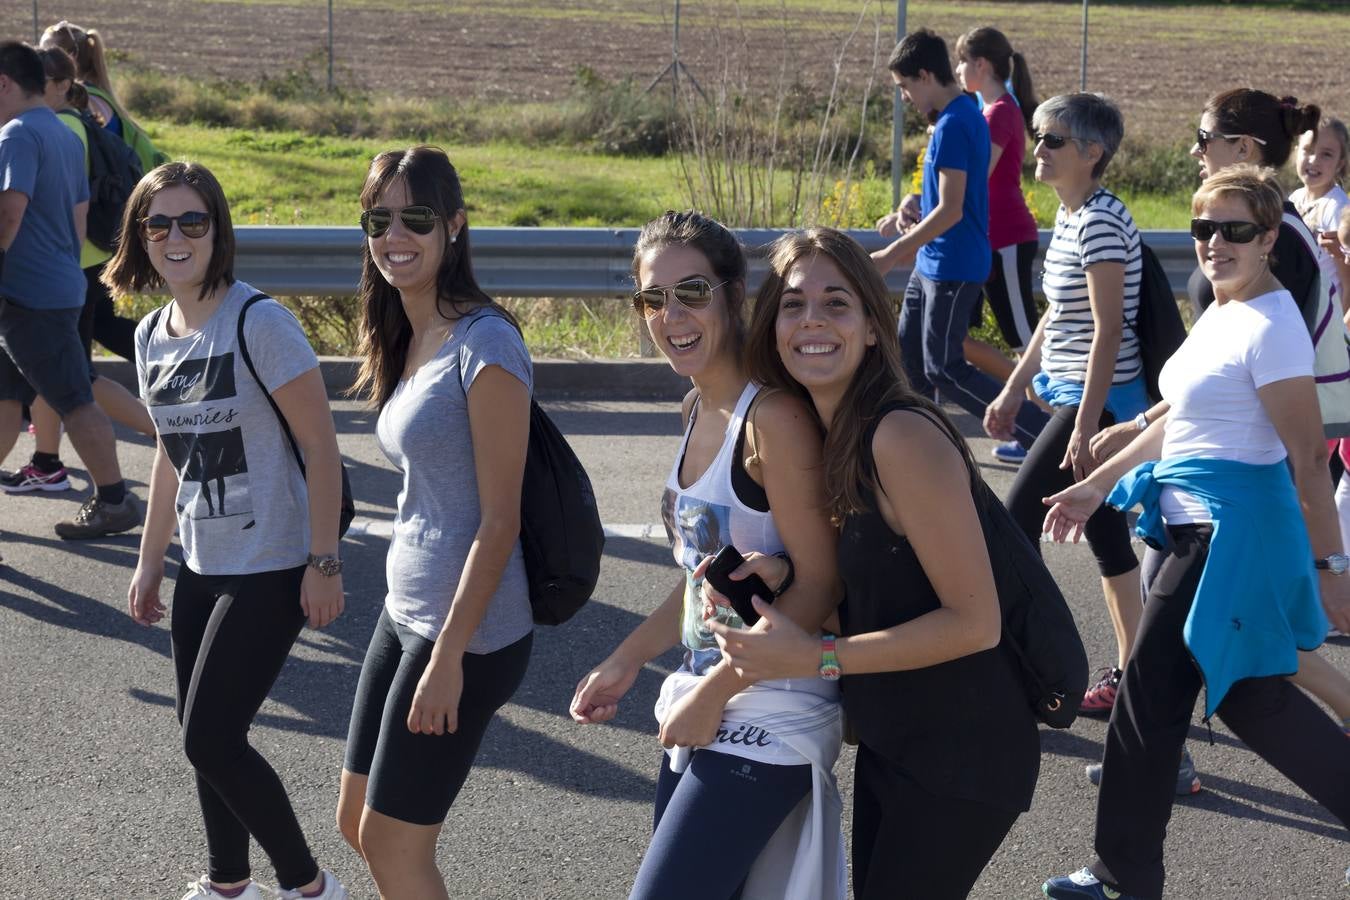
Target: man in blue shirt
<point>44,197</point>
<point>951,237</point>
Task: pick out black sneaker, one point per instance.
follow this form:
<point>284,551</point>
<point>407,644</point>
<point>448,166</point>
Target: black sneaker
<point>96,519</point>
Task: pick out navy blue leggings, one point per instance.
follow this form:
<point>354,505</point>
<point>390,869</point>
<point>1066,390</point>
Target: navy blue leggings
<point>711,823</point>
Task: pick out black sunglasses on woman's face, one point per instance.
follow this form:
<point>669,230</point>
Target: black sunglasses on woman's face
<point>1232,232</point>
<point>1051,140</point>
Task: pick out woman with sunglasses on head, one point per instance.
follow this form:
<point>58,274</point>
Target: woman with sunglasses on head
<point>1084,358</point>
<point>948,751</point>
<point>260,539</point>
<point>448,371</point>
<point>1253,566</point>
<point>748,769</point>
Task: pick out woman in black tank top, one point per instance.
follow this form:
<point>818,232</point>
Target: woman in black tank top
<point>948,750</point>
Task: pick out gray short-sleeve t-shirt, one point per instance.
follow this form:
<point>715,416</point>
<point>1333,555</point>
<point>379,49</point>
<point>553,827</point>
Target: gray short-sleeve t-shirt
<point>424,431</point>
<point>242,504</point>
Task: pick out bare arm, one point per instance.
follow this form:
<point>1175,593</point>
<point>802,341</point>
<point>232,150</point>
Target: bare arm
<point>1106,297</point>
<point>143,601</point>
<point>81,214</point>
<point>951,198</point>
<point>13,204</point>
<point>995,154</point>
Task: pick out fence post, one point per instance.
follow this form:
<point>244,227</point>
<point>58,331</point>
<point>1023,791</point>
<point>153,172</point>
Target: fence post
<point>36,34</point>
<point>1082,69</point>
<point>897,116</point>
<point>330,45</point>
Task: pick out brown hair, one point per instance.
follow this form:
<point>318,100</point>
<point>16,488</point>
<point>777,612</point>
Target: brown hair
<point>130,270</point>
<point>1254,185</point>
<point>725,255</point>
<point>1275,120</point>
<point>385,330</point>
<point>878,383</point>
<point>86,48</point>
<point>1342,136</point>
<point>58,66</point>
<point>1008,65</point>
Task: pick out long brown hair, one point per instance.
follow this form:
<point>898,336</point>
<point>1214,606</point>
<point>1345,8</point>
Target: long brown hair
<point>86,48</point>
<point>879,382</point>
<point>1007,64</point>
<point>130,270</point>
<point>385,330</point>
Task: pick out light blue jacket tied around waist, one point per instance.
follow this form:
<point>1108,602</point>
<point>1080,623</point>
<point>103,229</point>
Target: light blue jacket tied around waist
<point>1258,600</point>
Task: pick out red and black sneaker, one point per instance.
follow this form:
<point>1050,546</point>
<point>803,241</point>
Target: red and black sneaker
<point>1101,696</point>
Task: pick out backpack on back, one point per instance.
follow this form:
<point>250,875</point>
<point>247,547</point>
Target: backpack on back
<point>561,538</point>
<point>133,135</point>
<point>1158,322</point>
<point>114,170</point>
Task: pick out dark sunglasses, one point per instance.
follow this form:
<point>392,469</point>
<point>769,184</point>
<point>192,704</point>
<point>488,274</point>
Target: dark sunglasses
<point>1233,232</point>
<point>191,224</point>
<point>1051,140</point>
<point>694,293</point>
<point>417,219</point>
<point>1203,138</point>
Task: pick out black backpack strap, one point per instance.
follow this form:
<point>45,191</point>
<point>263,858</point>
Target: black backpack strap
<point>248,361</point>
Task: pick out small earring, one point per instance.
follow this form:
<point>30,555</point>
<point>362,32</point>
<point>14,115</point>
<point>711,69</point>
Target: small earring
<point>453,236</point>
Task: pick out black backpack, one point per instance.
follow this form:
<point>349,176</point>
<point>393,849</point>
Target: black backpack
<point>114,170</point>
<point>561,537</point>
<point>1038,627</point>
<point>1158,322</point>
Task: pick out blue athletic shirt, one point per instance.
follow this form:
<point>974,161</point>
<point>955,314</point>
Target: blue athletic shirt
<point>41,159</point>
<point>960,141</point>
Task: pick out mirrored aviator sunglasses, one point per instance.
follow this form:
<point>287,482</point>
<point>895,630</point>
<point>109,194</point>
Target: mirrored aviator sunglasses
<point>191,224</point>
<point>417,219</point>
<point>695,293</point>
<point>1232,232</point>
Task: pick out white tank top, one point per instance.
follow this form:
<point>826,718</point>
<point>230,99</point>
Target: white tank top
<point>702,519</point>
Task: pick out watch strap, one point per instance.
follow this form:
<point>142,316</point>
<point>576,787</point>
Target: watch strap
<point>829,661</point>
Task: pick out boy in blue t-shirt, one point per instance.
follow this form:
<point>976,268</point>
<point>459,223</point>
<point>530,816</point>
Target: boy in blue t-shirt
<point>44,198</point>
<point>951,237</point>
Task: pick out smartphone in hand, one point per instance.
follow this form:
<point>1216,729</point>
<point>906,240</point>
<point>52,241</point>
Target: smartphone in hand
<point>727,560</point>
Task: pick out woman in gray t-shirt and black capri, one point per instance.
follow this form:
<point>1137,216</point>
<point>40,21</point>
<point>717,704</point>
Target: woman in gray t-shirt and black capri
<point>449,373</point>
<point>260,539</point>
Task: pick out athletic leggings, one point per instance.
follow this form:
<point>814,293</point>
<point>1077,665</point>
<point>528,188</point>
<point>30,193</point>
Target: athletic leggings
<point>231,636</point>
<point>1153,713</point>
<point>416,777</point>
<point>711,823</point>
<point>909,843</point>
<point>1008,291</point>
<point>1040,476</point>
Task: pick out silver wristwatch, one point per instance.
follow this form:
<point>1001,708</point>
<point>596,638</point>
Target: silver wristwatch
<point>327,565</point>
<point>1336,563</point>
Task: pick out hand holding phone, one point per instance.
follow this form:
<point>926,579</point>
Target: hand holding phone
<point>738,592</point>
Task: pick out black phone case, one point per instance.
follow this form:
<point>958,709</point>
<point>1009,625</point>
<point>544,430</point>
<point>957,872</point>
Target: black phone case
<point>727,560</point>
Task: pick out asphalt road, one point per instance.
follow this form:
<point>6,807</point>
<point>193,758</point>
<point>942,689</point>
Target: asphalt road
<point>98,800</point>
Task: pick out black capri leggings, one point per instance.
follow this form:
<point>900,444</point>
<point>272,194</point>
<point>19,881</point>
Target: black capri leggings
<point>231,636</point>
<point>1040,476</point>
<point>416,777</point>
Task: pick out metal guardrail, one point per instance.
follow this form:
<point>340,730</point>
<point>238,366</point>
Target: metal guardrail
<point>543,262</point>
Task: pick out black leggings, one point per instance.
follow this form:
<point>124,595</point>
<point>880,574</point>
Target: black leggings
<point>909,843</point>
<point>711,823</point>
<point>1008,292</point>
<point>1153,713</point>
<point>416,777</point>
<point>1107,532</point>
<point>231,636</point>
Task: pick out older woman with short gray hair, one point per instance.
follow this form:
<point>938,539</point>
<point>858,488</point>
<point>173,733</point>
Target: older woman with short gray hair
<point>1083,359</point>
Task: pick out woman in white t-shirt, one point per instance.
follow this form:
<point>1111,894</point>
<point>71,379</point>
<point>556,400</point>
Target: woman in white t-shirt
<point>259,536</point>
<point>1243,413</point>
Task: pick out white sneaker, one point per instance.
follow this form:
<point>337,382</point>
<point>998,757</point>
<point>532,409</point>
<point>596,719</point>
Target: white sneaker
<point>201,890</point>
<point>332,890</point>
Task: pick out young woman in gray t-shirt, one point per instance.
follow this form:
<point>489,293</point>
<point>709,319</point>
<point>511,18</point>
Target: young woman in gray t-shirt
<point>448,371</point>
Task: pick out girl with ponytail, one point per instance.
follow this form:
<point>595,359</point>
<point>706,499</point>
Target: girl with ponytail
<point>988,66</point>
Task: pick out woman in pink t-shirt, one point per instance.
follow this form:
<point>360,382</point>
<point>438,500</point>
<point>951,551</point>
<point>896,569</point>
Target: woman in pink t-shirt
<point>988,65</point>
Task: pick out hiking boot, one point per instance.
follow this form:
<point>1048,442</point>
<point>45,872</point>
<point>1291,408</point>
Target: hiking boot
<point>97,519</point>
<point>1101,697</point>
<point>1081,885</point>
<point>31,478</point>
<point>1188,781</point>
<point>1011,453</point>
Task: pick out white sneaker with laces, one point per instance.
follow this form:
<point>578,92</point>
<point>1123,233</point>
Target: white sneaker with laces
<point>201,890</point>
<point>332,890</point>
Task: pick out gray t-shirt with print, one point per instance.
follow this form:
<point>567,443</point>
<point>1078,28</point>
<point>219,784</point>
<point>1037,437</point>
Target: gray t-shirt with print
<point>242,504</point>
<point>424,430</point>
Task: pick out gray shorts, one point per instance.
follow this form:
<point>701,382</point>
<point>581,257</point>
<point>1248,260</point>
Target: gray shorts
<point>41,354</point>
